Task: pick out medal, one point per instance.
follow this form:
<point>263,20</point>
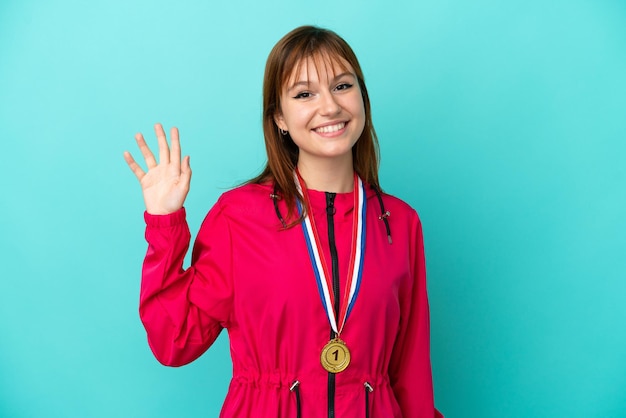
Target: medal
<point>335,355</point>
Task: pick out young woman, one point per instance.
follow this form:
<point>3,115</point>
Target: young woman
<point>316,274</point>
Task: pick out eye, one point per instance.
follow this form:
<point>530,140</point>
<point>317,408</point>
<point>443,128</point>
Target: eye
<point>343,86</point>
<point>302,95</point>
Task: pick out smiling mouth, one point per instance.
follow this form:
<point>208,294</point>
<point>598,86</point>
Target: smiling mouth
<point>330,128</point>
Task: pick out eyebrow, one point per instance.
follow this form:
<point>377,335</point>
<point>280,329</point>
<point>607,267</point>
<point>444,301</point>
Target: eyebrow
<point>306,83</point>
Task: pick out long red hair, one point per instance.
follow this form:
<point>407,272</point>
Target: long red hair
<point>287,55</point>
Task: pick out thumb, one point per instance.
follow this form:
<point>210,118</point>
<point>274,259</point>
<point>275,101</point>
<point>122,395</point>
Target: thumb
<point>185,170</point>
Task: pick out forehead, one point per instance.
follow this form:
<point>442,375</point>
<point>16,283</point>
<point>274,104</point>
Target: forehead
<point>319,65</point>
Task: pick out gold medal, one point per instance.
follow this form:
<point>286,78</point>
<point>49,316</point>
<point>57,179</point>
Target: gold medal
<point>335,356</point>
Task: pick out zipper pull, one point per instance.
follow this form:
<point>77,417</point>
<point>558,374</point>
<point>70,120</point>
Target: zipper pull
<point>330,203</point>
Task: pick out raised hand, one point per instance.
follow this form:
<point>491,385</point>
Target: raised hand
<point>165,185</point>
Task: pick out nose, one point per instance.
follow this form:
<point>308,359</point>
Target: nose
<point>329,105</point>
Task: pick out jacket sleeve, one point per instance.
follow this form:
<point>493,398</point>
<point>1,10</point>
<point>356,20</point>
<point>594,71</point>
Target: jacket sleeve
<point>183,311</point>
<point>410,369</point>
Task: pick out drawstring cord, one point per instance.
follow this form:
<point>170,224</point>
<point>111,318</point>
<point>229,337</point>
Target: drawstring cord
<point>384,213</point>
<point>368,390</point>
<point>295,387</point>
<point>275,198</point>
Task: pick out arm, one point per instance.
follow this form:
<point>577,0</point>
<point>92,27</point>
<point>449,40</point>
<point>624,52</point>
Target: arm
<point>410,369</point>
<point>183,311</point>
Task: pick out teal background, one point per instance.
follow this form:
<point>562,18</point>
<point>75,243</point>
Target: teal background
<point>503,123</point>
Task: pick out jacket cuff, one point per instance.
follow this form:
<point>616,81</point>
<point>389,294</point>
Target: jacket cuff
<point>165,221</point>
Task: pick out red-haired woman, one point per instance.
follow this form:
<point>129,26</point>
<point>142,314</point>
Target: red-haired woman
<point>316,274</point>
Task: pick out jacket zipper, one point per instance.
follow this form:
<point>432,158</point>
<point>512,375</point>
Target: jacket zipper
<point>330,212</point>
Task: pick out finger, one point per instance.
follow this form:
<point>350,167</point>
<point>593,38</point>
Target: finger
<point>175,149</point>
<point>185,171</point>
<point>134,167</point>
<point>164,151</point>
<point>148,156</point>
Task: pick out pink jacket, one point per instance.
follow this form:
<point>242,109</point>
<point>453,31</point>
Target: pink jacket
<point>255,279</point>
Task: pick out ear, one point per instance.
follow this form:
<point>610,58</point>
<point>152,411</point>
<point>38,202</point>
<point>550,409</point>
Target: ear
<point>280,121</point>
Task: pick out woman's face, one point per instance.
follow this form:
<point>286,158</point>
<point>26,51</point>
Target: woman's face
<point>322,109</point>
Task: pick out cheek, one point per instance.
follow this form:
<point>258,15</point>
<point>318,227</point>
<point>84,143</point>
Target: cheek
<point>361,114</point>
<point>359,109</point>
<point>299,117</point>
<point>357,105</point>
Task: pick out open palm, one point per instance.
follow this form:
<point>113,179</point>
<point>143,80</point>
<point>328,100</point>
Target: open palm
<point>165,185</point>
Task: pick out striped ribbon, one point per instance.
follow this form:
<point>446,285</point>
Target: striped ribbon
<point>316,254</point>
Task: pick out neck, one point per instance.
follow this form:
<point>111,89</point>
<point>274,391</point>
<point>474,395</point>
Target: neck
<point>327,176</point>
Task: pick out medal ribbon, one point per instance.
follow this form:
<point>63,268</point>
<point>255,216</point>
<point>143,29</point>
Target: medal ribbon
<point>316,254</point>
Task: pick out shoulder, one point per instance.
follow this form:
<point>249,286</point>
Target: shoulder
<point>248,202</point>
<point>245,195</point>
<point>245,205</point>
<point>396,207</point>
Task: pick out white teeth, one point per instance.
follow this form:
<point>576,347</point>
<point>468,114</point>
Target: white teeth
<point>331,128</point>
